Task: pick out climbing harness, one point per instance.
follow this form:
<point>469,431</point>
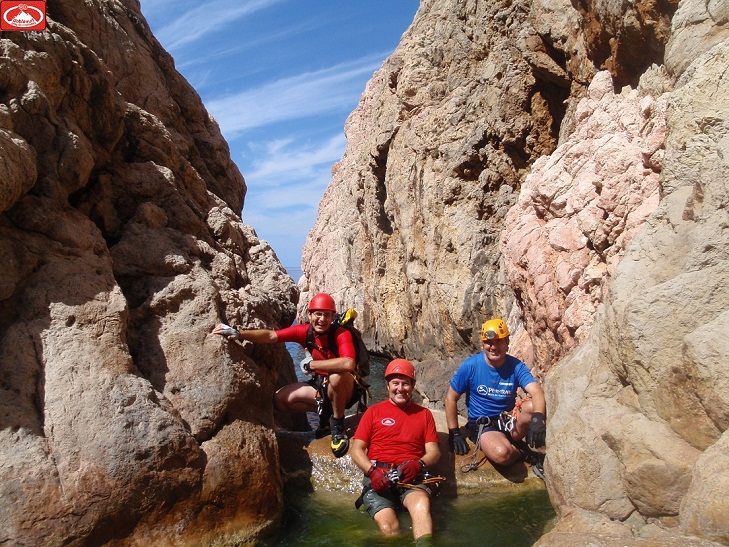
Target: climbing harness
<point>360,395</point>
<point>393,476</point>
<point>505,422</point>
<point>362,360</point>
<point>433,479</point>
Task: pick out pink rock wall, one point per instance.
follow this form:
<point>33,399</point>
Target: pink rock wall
<point>578,210</point>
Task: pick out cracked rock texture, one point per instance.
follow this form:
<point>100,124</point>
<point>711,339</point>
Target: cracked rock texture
<point>121,417</point>
<point>560,164</point>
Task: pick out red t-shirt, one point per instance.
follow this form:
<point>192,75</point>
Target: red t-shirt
<point>394,434</point>
<point>321,350</point>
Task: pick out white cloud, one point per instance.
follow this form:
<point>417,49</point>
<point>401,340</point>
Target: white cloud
<point>331,89</point>
<point>285,182</point>
<point>279,161</point>
<point>285,175</point>
<point>186,25</point>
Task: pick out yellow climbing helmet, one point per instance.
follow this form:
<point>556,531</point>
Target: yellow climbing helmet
<point>494,329</point>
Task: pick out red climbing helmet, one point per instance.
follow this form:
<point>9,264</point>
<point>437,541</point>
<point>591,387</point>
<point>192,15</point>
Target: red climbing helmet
<point>400,366</point>
<point>323,302</point>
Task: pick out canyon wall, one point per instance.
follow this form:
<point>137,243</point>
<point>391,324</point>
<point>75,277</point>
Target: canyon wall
<point>439,149</point>
<point>562,166</point>
<point>122,419</point>
<point>639,411</point>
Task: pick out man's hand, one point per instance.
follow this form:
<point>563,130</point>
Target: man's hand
<point>537,435</point>
<point>410,470</point>
<point>380,483</point>
<point>305,364</point>
<point>457,441</point>
<point>226,330</point>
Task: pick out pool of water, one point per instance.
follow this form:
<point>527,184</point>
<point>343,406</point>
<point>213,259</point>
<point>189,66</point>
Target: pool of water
<point>330,518</point>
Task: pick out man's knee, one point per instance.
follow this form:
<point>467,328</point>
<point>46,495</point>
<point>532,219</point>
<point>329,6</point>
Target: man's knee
<point>497,453</point>
<point>341,387</point>
<point>279,402</point>
<point>417,503</point>
<point>290,398</point>
<point>526,409</point>
<point>420,507</point>
<point>387,521</point>
<point>343,380</point>
<point>389,528</point>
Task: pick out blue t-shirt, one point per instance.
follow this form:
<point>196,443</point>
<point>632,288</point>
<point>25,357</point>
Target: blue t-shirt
<point>489,390</point>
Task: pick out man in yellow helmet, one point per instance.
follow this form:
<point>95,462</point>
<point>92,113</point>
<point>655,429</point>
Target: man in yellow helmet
<point>490,380</point>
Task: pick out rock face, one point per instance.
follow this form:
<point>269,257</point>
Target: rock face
<point>497,165</point>
<point>579,209</point>
<point>408,230</point>
<point>121,416</point>
<point>648,391</point>
<point>446,140</point>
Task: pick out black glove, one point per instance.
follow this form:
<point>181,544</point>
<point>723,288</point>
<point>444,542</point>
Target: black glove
<point>410,470</point>
<point>457,441</point>
<point>380,481</point>
<point>537,431</point>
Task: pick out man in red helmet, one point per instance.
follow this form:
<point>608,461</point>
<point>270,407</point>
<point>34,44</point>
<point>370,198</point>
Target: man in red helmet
<point>394,444</point>
<point>332,368</point>
<point>490,380</point>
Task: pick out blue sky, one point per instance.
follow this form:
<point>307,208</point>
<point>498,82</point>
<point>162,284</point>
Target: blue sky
<point>281,77</point>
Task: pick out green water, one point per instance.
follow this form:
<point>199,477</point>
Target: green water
<point>329,518</point>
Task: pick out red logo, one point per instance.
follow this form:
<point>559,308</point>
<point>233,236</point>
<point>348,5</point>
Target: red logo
<point>22,15</point>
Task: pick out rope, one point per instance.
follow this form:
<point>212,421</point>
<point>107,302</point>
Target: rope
<point>473,464</point>
<point>429,480</point>
<point>505,422</point>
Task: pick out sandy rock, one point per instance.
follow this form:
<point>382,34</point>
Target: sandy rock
<point>121,416</point>
<point>704,508</point>
<point>579,528</point>
<point>122,246</point>
<point>408,230</point>
<point>697,27</point>
<point>658,345</point>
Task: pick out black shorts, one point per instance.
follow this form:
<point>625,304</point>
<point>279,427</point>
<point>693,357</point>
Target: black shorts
<point>317,382</point>
<point>494,423</point>
<point>392,499</point>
